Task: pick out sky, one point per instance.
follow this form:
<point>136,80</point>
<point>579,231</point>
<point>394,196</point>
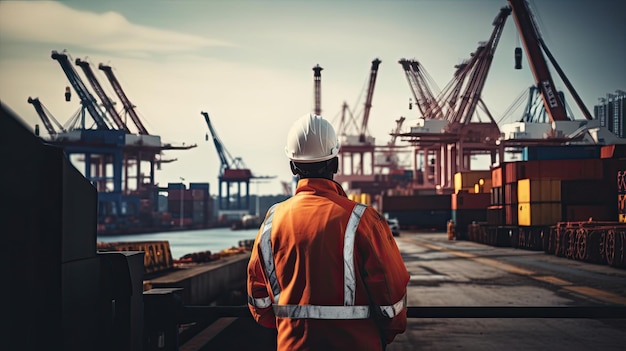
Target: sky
<point>249,64</point>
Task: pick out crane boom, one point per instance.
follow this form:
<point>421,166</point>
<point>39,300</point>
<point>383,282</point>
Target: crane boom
<point>532,43</point>
<point>87,100</point>
<point>478,69</point>
<point>422,92</point>
<point>368,100</point>
<point>222,153</point>
<point>45,118</point>
<point>106,101</point>
<point>128,106</point>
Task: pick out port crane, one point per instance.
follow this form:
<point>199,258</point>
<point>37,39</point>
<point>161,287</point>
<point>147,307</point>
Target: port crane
<point>356,157</point>
<point>87,100</point>
<point>46,118</point>
<point>561,128</point>
<point>106,101</point>
<point>451,130</point>
<point>232,171</point>
<point>129,108</point>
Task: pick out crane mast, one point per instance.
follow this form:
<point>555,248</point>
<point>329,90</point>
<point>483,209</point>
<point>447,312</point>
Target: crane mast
<point>106,101</point>
<point>531,40</point>
<point>87,100</point>
<point>317,82</point>
<point>128,106</point>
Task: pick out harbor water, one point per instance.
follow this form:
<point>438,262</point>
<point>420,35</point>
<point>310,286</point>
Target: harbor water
<point>189,241</point>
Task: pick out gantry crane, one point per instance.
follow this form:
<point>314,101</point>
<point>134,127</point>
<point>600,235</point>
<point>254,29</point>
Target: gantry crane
<point>450,135</point>
<point>106,101</point>
<point>129,108</point>
<point>232,170</point>
<point>87,100</point>
<point>46,117</point>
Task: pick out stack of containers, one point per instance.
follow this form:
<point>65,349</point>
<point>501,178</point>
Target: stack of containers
<point>472,196</point>
<point>200,204</point>
<point>177,193</point>
<point>580,178</point>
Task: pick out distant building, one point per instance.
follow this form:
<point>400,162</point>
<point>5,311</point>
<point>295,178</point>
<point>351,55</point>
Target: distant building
<point>612,113</point>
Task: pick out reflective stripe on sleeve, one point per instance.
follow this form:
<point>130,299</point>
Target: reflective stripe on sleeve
<point>268,256</point>
<point>321,312</point>
<point>262,302</point>
<point>395,309</point>
<point>349,278</point>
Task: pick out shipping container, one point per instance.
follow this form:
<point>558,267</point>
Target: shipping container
<point>421,219</point>
<point>510,214</point>
<point>538,190</point>
<point>497,196</point>
<point>495,215</point>
<point>470,201</point>
<point>496,177</point>
<point>538,214</point>
<point>417,202</point>
<point>510,193</point>
<point>555,169</point>
<point>560,152</point>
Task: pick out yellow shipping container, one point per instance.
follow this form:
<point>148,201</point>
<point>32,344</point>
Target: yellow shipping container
<point>538,213</point>
<point>365,199</point>
<point>539,190</point>
<point>464,180</point>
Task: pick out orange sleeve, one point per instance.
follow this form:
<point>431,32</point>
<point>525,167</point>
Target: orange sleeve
<point>257,289</point>
<point>385,274</point>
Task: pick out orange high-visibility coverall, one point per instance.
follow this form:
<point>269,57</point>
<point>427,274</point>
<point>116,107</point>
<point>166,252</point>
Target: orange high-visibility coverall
<point>307,245</point>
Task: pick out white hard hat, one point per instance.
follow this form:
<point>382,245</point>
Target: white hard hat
<point>311,139</point>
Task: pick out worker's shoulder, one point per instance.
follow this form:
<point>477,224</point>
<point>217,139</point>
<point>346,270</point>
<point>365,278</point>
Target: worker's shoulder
<point>373,212</point>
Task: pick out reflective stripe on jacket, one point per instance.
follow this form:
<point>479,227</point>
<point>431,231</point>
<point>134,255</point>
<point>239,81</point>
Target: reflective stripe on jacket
<point>327,273</point>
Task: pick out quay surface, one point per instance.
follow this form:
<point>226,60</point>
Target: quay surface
<point>468,274</point>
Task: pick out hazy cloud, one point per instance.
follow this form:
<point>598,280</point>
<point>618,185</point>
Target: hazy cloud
<point>53,22</point>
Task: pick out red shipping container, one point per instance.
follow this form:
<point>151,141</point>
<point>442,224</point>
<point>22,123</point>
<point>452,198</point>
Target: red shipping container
<point>510,214</point>
<point>510,193</point>
<point>470,201</point>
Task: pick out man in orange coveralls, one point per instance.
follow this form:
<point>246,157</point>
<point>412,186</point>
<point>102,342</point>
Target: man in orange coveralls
<point>325,270</point>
